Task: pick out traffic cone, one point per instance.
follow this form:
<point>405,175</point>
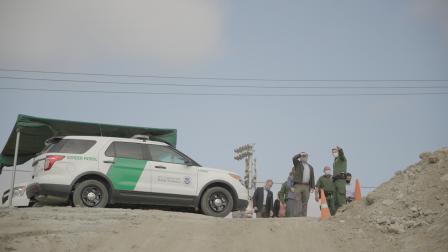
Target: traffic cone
<point>324,211</point>
<point>358,196</point>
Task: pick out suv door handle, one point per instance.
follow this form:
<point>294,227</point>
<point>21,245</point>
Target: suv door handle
<point>160,167</point>
<point>108,162</point>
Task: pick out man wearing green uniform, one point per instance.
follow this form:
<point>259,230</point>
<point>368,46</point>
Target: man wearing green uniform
<point>325,183</point>
<point>339,173</point>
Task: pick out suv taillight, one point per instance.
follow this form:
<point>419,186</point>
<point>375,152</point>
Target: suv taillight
<point>50,160</point>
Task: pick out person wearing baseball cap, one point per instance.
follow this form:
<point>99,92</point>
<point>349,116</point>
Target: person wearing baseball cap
<point>325,182</point>
<point>303,179</point>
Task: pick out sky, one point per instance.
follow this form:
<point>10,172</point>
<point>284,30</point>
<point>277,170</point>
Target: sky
<point>282,40</point>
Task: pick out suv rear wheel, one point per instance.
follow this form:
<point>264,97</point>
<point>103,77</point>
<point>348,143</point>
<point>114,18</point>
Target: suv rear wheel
<point>217,201</point>
<point>90,193</point>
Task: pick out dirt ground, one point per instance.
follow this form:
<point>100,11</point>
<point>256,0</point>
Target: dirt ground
<point>76,229</point>
<point>407,213</point>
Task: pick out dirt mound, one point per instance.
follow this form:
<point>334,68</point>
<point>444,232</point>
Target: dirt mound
<point>412,207</point>
<point>407,213</point>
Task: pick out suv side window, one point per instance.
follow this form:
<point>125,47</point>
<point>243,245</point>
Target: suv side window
<point>125,150</point>
<point>72,146</point>
<point>160,153</point>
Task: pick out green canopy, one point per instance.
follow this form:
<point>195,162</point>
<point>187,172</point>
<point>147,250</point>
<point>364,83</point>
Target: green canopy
<point>34,131</point>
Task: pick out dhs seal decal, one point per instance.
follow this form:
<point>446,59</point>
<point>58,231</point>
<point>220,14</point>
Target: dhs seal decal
<point>187,180</point>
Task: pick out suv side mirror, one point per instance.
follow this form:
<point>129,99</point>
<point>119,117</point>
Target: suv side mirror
<point>188,162</point>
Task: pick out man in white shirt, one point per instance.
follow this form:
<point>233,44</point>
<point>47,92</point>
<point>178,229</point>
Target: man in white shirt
<point>303,176</point>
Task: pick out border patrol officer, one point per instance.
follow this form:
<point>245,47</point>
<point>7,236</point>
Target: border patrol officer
<point>339,174</point>
<point>325,183</point>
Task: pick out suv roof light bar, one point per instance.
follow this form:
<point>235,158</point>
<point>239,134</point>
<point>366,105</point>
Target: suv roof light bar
<point>141,137</point>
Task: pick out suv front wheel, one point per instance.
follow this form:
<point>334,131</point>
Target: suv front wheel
<point>217,202</point>
<point>90,193</point>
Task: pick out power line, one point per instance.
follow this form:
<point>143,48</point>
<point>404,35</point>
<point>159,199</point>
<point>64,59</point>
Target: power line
<point>219,86</point>
<point>215,94</point>
<point>219,78</point>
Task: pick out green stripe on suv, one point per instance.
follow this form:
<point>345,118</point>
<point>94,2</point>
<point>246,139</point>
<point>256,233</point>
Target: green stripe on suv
<point>125,172</point>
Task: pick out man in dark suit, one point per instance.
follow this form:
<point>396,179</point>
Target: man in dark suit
<point>303,176</point>
<point>263,200</point>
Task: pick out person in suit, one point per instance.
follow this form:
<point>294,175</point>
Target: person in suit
<point>263,200</point>
<point>303,179</point>
<point>349,190</point>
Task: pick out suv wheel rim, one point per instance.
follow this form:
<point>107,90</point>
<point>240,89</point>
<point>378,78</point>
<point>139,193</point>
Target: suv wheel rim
<point>218,202</point>
<point>91,196</point>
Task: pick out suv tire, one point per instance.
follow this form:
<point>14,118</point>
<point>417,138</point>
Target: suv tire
<point>90,193</point>
<point>217,202</point>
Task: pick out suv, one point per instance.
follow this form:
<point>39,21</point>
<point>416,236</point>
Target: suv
<point>92,171</point>
<point>19,198</point>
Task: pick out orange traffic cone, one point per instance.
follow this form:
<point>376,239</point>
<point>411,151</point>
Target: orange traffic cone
<point>324,211</point>
<point>358,196</point>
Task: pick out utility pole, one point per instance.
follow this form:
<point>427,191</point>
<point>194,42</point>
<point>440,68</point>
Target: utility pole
<point>254,175</point>
<point>246,152</point>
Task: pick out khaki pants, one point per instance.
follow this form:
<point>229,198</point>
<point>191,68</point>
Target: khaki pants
<point>302,192</point>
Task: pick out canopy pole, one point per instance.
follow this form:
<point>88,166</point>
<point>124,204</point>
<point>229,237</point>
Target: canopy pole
<point>16,154</point>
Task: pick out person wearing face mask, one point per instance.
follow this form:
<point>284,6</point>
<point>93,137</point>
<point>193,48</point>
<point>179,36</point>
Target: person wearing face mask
<point>326,184</point>
<point>303,179</point>
<point>339,175</point>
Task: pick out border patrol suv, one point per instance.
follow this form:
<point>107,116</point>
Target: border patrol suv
<point>92,171</point>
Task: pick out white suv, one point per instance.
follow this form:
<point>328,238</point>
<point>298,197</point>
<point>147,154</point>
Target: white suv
<point>92,171</point>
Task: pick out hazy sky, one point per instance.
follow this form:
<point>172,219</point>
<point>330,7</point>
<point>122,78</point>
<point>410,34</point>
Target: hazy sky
<point>378,39</point>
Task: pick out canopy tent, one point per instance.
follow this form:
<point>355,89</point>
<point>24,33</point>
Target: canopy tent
<point>34,131</point>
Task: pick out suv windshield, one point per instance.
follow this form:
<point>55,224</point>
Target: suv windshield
<point>73,146</point>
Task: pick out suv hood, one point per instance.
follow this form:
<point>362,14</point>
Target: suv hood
<point>216,170</point>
